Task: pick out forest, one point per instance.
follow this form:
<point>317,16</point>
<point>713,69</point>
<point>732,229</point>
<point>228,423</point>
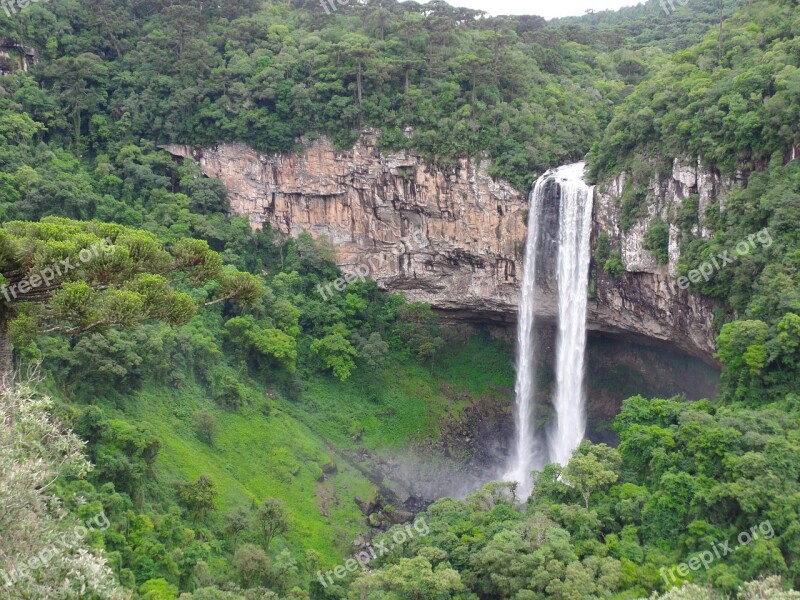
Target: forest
<point>181,409</point>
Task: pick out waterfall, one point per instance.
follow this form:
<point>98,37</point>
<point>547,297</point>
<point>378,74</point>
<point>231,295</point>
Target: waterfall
<point>524,451</point>
<point>575,213</point>
<point>575,228</point>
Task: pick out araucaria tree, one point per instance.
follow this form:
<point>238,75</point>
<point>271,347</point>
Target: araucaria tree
<point>64,276</point>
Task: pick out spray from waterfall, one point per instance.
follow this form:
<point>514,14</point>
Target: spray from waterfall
<point>572,275</point>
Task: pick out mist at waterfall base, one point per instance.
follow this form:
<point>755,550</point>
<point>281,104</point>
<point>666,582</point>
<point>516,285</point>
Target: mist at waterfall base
<point>534,449</point>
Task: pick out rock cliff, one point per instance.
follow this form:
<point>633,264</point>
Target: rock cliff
<point>646,299</point>
<point>453,236</point>
<point>15,57</point>
<point>450,237</point>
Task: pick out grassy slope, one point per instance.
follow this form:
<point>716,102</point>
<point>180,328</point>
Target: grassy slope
<point>405,404</point>
<point>281,455</point>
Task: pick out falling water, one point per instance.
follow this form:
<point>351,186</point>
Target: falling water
<point>575,225</point>
<point>525,452</point>
<point>573,269</point>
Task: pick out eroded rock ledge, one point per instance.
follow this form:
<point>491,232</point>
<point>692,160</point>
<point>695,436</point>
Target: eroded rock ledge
<point>448,237</point>
<point>453,237</point>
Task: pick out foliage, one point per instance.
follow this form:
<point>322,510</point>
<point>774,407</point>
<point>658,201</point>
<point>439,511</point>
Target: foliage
<point>73,277</point>
<point>45,554</point>
<point>610,261</point>
<point>251,564</point>
<point>686,476</point>
<point>731,102</point>
<point>198,497</point>
<point>207,425</point>
<point>657,240</point>
<point>769,587</point>
<point>284,379</point>
<point>271,520</point>
<point>336,352</point>
<point>592,468</point>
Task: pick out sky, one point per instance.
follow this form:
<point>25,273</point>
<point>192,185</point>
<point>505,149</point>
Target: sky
<point>548,9</point>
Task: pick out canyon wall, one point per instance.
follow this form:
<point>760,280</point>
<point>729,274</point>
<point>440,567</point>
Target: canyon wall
<point>450,237</point>
<point>453,236</point>
<point>646,297</point>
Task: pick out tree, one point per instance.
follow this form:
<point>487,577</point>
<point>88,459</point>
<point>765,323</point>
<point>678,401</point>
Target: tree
<point>267,344</point>
<point>207,425</point>
<point>237,521</point>
<point>251,564</point>
<point>157,589</point>
<point>430,349</point>
<point>768,587</point>
<point>373,351</point>
<point>410,579</point>
<point>198,497</point>
<point>788,340</point>
<point>80,81</point>
<point>742,350</point>
<point>418,328</point>
<point>271,520</point>
<point>336,351</point>
<point>37,454</point>
<point>592,468</point>
<point>64,276</point>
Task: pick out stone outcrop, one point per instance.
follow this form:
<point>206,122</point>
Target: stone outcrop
<point>14,57</point>
<point>453,236</point>
<point>450,237</point>
<point>646,298</point>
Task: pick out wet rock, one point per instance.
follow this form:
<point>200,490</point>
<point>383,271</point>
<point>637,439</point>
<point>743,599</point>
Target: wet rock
<point>396,515</point>
<point>366,508</point>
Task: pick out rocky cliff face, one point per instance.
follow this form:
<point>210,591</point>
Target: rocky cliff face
<point>450,237</point>
<point>14,57</point>
<point>453,237</point>
<point>646,298</point>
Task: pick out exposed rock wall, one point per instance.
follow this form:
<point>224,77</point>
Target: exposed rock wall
<point>448,237</point>
<point>15,57</point>
<point>646,298</point>
<point>453,237</point>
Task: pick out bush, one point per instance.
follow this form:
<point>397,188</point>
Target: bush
<point>207,425</point>
<point>657,241</point>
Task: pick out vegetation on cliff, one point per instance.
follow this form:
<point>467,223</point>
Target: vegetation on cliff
<point>221,398</point>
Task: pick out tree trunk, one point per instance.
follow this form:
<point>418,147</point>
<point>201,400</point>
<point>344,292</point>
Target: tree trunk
<point>6,362</point>
<point>76,120</point>
<point>719,52</point>
<point>360,89</point>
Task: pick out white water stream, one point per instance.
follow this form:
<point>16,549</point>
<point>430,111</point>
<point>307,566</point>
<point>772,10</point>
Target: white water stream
<point>575,229</point>
<point>575,217</point>
<point>524,458</point>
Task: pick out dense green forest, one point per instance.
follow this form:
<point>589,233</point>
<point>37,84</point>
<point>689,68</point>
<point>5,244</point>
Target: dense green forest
<point>220,401</point>
<point>528,94</point>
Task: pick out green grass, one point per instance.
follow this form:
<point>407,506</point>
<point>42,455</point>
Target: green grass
<point>280,455</point>
<point>405,403</point>
<point>481,366</point>
<point>256,457</point>
<point>391,409</point>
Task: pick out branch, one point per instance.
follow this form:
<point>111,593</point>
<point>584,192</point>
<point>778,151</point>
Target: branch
<point>218,300</point>
<point>44,293</point>
<point>78,329</point>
